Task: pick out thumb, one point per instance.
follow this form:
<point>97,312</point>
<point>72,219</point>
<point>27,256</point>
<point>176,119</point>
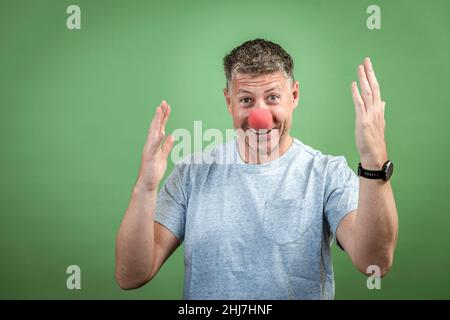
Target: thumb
<point>168,144</point>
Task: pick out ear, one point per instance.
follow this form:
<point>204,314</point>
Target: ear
<point>295,93</point>
<point>226,93</point>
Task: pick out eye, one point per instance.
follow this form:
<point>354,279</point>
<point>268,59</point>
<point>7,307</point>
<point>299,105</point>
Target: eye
<point>274,98</point>
<point>245,100</point>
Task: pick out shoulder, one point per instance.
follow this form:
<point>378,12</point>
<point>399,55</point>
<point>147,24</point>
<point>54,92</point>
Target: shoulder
<point>317,157</point>
<point>211,155</point>
<point>200,162</point>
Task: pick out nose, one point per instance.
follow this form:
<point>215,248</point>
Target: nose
<point>261,104</point>
<point>260,119</point>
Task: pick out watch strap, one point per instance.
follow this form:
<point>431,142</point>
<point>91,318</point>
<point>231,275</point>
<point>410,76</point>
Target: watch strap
<point>370,174</point>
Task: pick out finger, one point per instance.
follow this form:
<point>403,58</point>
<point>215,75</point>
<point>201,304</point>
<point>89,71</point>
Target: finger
<point>153,136</point>
<point>383,105</point>
<point>373,82</point>
<point>357,100</point>
<point>166,117</point>
<point>168,144</point>
<point>155,124</point>
<point>165,108</point>
<point>366,92</point>
<point>383,123</point>
<point>154,141</point>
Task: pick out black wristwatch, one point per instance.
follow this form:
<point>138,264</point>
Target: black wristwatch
<point>385,173</point>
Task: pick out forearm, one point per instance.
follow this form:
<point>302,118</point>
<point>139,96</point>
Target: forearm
<point>376,225</point>
<point>135,240</point>
<point>135,243</point>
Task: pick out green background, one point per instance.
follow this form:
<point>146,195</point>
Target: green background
<point>75,107</point>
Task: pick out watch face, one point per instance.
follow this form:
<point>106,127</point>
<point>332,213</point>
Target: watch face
<point>389,170</point>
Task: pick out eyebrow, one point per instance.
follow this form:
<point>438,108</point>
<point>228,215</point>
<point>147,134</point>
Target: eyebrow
<point>245,91</point>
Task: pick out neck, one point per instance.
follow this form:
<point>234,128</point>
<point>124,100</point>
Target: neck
<point>252,156</point>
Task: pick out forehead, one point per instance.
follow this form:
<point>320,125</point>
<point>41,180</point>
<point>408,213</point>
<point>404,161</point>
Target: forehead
<point>254,83</point>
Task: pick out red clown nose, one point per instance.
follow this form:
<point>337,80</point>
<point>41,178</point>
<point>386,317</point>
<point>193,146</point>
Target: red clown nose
<point>260,119</point>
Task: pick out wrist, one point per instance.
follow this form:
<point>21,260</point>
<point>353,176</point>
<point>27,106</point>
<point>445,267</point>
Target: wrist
<point>141,187</point>
<point>373,163</point>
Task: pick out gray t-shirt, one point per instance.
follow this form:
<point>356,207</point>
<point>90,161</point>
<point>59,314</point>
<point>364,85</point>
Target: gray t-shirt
<point>258,231</point>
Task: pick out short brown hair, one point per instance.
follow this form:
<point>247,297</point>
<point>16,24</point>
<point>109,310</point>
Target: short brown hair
<point>258,57</point>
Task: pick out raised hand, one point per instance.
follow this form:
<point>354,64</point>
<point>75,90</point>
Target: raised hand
<point>155,153</point>
<point>370,122</point>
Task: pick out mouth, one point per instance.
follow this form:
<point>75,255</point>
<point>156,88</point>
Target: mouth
<point>261,131</point>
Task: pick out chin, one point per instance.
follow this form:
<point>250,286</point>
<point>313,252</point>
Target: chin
<point>267,147</point>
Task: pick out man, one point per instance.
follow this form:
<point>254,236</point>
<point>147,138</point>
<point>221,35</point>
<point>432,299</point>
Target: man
<point>251,229</point>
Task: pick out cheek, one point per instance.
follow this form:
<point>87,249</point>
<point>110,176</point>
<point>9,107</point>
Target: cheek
<point>281,114</point>
<point>242,113</point>
<point>239,116</point>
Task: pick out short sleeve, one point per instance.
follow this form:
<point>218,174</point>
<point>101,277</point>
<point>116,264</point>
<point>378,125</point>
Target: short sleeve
<point>171,203</point>
<point>341,192</point>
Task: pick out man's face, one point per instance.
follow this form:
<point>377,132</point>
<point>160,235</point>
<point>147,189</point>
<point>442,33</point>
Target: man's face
<point>272,92</point>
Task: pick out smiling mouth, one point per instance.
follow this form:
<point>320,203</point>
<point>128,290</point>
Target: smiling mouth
<point>262,131</point>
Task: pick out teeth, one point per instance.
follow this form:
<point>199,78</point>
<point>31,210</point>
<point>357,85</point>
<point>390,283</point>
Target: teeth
<point>261,131</point>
